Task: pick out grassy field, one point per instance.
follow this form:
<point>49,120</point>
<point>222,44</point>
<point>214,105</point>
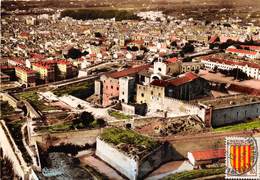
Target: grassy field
<point>33,98</point>
<point>186,175</point>
<point>118,115</point>
<point>117,136</point>
<point>81,90</point>
<point>5,109</point>
<point>240,127</point>
<point>67,126</point>
<point>56,128</point>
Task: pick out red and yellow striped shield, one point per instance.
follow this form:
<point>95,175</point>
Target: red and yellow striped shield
<point>241,157</point>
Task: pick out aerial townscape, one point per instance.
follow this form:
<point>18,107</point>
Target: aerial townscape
<point>133,90</point>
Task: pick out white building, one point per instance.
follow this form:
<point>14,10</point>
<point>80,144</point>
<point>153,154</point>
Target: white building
<point>244,53</point>
<point>251,69</point>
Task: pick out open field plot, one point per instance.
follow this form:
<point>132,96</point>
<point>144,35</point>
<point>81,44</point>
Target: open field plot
<point>33,98</point>
<point>241,126</point>
<point>81,90</point>
<point>196,174</point>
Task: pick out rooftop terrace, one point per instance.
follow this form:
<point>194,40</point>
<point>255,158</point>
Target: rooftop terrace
<point>129,141</point>
<point>229,101</point>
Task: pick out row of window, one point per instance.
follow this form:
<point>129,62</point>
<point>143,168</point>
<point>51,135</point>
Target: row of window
<point>112,87</point>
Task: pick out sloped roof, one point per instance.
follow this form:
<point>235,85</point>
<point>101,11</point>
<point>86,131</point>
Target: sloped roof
<point>187,77</point>
<point>128,72</point>
<point>209,154</point>
<point>241,51</point>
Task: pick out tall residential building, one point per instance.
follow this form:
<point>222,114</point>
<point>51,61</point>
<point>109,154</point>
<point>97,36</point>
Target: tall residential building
<point>25,76</point>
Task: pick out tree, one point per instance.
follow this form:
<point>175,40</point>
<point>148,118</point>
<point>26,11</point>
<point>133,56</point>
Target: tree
<point>6,169</point>
<point>173,43</point>
<point>187,59</point>
<point>238,74</point>
<point>211,46</point>
<point>134,48</point>
<point>188,48</point>
<point>101,122</point>
<point>215,69</point>
<point>98,35</point>
<point>86,118</point>
<point>73,53</point>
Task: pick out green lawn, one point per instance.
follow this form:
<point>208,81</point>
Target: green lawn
<point>118,115</point>
<point>187,175</point>
<point>240,127</point>
<point>80,90</point>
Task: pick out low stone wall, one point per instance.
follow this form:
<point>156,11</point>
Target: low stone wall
<point>151,161</point>
<point>4,96</point>
<point>128,109</point>
<point>176,107</point>
<point>134,168</point>
<point>89,136</point>
<point>121,162</point>
<point>31,111</point>
<point>11,151</point>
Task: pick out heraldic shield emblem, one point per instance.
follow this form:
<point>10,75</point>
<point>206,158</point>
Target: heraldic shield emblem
<point>241,156</point>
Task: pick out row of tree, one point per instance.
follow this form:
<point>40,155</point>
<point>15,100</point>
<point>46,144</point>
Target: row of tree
<point>236,73</point>
<point>69,148</point>
<point>85,14</point>
<point>87,120</point>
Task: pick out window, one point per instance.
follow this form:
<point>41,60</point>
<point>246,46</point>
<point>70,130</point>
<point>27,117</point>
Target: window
<point>142,78</point>
<point>123,100</point>
<point>123,92</point>
<point>106,87</point>
<point>159,69</point>
<point>159,94</point>
<point>151,92</point>
<point>117,88</point>
<point>111,87</point>
<point>142,94</point>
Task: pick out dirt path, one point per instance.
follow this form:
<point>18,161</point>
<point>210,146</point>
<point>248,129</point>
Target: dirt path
<point>101,167</point>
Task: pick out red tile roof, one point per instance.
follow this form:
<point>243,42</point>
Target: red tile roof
<point>231,62</point>
<point>24,34</point>
<point>62,61</point>
<point>44,64</point>
<point>25,69</point>
<point>187,77</point>
<point>127,72</point>
<point>241,51</point>
<point>255,48</point>
<point>209,154</point>
<point>244,89</point>
<point>37,56</point>
<point>161,83</point>
<point>213,39</point>
<point>6,67</point>
<point>140,42</point>
<point>172,60</point>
